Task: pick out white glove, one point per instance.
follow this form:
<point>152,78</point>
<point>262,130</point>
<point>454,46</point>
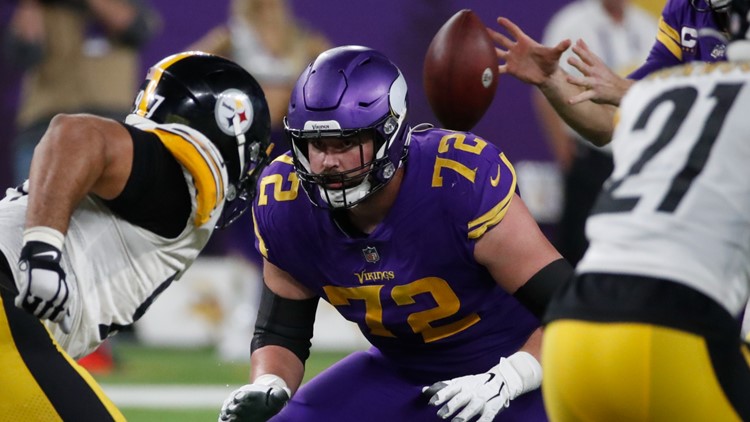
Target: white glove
<point>486,394</point>
<point>43,290</point>
<point>256,402</point>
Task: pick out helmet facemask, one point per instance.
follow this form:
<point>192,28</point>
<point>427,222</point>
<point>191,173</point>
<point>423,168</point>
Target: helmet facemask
<point>347,188</point>
<point>719,6</point>
<point>253,160</point>
<point>358,183</point>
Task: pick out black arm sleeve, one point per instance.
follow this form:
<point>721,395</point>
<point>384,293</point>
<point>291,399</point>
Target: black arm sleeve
<point>285,322</point>
<point>537,292</point>
<point>156,195</point>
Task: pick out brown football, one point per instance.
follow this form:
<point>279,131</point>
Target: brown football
<point>460,71</point>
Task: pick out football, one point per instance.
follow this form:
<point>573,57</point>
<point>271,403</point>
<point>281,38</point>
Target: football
<point>460,71</point>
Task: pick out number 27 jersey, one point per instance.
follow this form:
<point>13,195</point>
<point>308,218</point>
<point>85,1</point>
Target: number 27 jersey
<point>677,205</point>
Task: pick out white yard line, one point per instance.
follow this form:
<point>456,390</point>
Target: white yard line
<point>168,396</point>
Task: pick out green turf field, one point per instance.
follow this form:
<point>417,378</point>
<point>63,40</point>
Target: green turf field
<point>138,365</point>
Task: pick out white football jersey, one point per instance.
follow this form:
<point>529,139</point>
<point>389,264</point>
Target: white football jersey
<point>116,269</point>
<point>677,205</point>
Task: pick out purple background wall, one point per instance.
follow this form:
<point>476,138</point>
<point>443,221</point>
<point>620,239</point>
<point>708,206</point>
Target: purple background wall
<point>402,29</point>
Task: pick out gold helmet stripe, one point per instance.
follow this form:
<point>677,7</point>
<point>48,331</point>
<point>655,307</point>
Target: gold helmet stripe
<point>154,76</point>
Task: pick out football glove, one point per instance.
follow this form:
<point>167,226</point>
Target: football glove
<point>486,394</point>
<point>256,402</point>
<point>43,290</point>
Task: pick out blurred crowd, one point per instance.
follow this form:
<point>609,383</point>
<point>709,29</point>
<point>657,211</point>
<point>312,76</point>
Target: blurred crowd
<point>84,56</point>
<point>65,56</point>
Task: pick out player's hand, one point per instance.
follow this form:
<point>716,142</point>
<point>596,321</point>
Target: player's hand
<point>486,394</point>
<point>43,290</point>
<point>523,57</point>
<point>601,85</point>
<point>256,402</point>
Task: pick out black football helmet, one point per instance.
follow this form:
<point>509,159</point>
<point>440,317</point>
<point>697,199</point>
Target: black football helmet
<point>712,5</point>
<point>220,99</point>
<point>739,20</point>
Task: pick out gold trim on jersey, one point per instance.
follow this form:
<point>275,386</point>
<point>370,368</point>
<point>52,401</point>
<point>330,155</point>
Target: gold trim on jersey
<point>480,225</point>
<point>283,158</point>
<point>670,38</point>
<point>154,75</point>
<point>200,163</point>
<point>261,242</point>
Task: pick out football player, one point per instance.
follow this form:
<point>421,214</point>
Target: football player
<point>416,234</point>
<point>649,330</point>
<point>588,103</point>
<point>111,215</point>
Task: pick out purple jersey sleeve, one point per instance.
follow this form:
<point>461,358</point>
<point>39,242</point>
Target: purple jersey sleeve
<point>412,285</point>
<point>677,38</point>
<point>278,184</point>
<point>475,178</point>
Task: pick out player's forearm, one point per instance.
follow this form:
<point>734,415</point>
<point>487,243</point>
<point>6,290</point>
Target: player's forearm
<point>533,345</point>
<point>278,361</point>
<point>595,122</point>
<point>558,136</point>
<point>619,89</point>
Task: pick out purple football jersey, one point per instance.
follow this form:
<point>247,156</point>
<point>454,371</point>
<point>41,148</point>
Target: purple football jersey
<point>677,39</point>
<point>412,285</point>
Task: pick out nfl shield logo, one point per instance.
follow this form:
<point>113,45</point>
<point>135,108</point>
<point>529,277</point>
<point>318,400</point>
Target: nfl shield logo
<point>371,254</point>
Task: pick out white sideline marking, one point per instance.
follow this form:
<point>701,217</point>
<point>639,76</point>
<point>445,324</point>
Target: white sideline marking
<point>168,396</point>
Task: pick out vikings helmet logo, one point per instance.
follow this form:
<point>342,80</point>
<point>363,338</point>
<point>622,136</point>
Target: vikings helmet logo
<point>233,112</point>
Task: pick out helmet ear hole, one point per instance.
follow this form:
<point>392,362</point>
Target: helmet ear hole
<point>220,99</point>
<point>344,91</point>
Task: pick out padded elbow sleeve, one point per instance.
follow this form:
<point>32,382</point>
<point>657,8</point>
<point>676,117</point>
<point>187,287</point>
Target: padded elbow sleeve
<point>285,322</point>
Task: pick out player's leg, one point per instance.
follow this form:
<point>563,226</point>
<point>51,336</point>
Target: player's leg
<point>39,381</point>
<point>641,372</point>
<point>362,387</point>
<point>677,366</point>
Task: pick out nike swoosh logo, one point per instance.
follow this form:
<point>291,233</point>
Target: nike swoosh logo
<point>494,181</point>
<point>51,254</point>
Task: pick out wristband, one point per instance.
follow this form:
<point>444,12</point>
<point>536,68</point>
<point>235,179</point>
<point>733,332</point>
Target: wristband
<point>44,234</point>
<point>526,373</point>
<point>271,380</point>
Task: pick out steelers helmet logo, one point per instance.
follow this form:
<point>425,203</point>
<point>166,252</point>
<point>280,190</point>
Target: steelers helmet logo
<point>234,112</point>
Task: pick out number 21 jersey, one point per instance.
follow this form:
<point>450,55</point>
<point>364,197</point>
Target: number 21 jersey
<point>677,205</point>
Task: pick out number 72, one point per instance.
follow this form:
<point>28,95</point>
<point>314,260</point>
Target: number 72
<point>421,322</point>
